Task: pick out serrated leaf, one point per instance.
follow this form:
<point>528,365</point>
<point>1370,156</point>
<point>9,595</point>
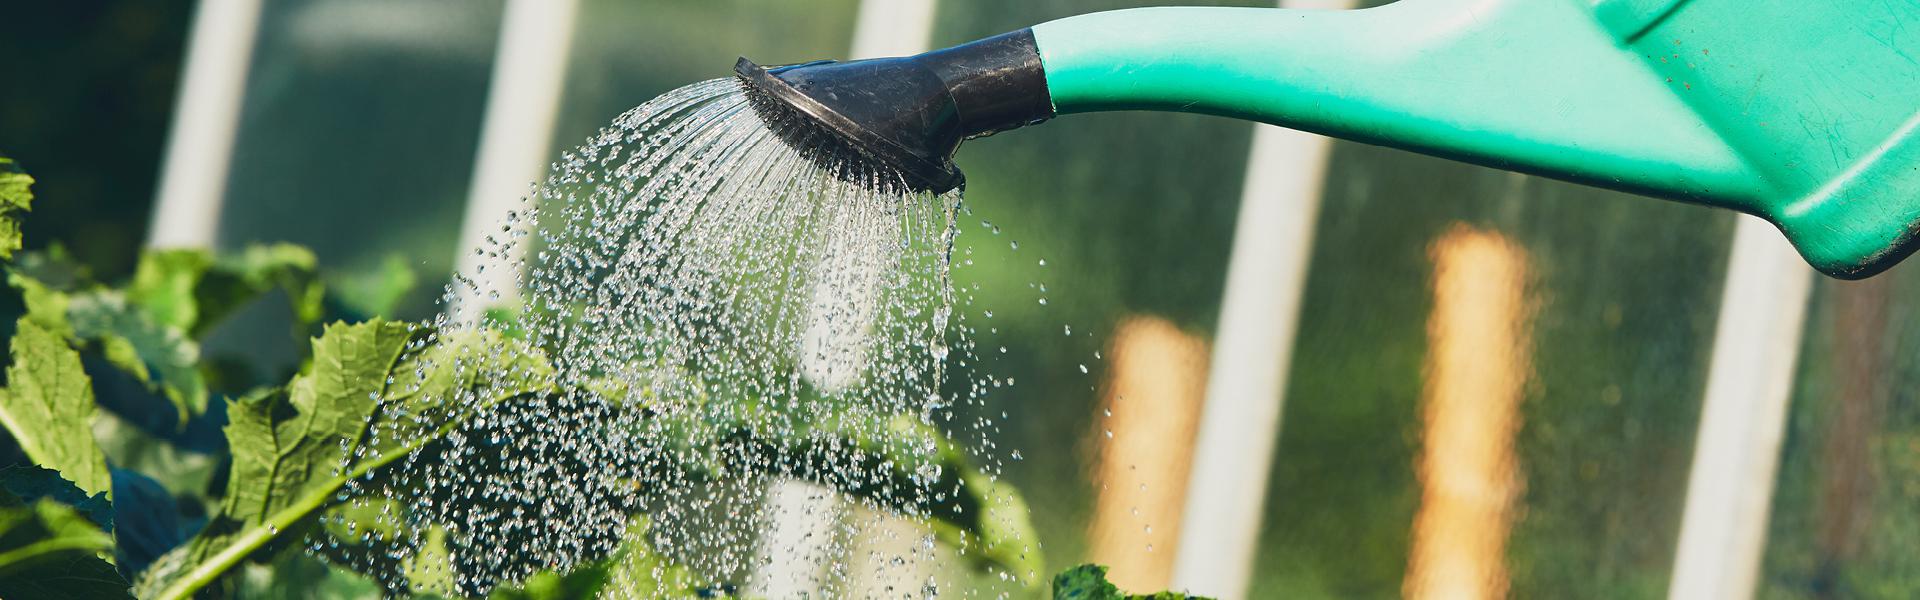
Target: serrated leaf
<point>16,186</point>
<point>1085,582</point>
<point>430,383</point>
<point>1089,582</point>
<point>237,279</point>
<point>288,448</point>
<point>48,407</point>
<point>430,569</point>
<point>49,551</point>
<point>284,445</point>
<point>294,451</point>
<point>46,306</point>
<point>578,584</point>
<point>192,290</point>
<point>440,388</point>
<point>158,356</point>
<point>637,571</point>
<point>634,570</point>
<point>27,484</point>
<point>16,196</point>
<point>53,266</point>
<point>161,357</point>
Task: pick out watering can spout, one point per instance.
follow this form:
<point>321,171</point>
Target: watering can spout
<point>1668,98</point>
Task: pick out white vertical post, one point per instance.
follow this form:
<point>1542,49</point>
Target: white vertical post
<point>1737,450</point>
<point>802,520</point>
<point>892,28</point>
<point>523,97</point>
<point>1259,316</point>
<point>206,115</point>
<point>799,526</point>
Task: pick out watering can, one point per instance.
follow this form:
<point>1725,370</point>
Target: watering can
<point>1801,112</point>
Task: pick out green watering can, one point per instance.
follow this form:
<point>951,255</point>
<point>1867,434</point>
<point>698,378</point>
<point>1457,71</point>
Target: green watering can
<point>1801,112</point>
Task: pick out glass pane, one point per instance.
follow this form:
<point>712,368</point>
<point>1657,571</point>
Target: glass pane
<point>1844,523</point>
<point>358,132</point>
<point>1578,400</point>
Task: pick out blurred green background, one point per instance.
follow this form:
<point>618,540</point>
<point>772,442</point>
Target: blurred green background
<point>358,138</point>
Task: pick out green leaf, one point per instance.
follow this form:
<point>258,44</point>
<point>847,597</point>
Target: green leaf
<point>48,407</point>
<point>505,320</point>
<point>26,484</point>
<point>238,279</point>
<point>53,268</point>
<point>46,305</point>
<point>467,370</point>
<point>181,471</point>
<point>430,569</point>
<point>192,290</point>
<point>287,448</point>
<point>636,571</point>
<point>355,408</point>
<point>49,551</point>
<point>1089,582</point>
<point>434,391</point>
<point>1085,582</point>
<point>149,330</point>
<point>372,516</point>
<point>579,584</point>
<point>45,279</point>
<point>998,531</point>
<point>968,508</point>
<point>377,292</point>
<point>163,285</point>
<point>302,576</point>
<point>159,356</point>
<point>285,445</point>
<point>16,196</point>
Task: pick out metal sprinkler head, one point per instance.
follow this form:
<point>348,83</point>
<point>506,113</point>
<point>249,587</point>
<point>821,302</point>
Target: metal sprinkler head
<point>908,113</point>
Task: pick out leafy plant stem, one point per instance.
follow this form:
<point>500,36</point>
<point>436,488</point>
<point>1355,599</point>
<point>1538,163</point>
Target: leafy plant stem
<point>210,570</point>
<point>94,543</point>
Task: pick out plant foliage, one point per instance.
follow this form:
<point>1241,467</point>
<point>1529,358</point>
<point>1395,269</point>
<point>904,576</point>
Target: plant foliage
<point>48,406</point>
<point>1089,582</point>
<point>16,196</point>
<point>368,393</point>
<point>50,550</point>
